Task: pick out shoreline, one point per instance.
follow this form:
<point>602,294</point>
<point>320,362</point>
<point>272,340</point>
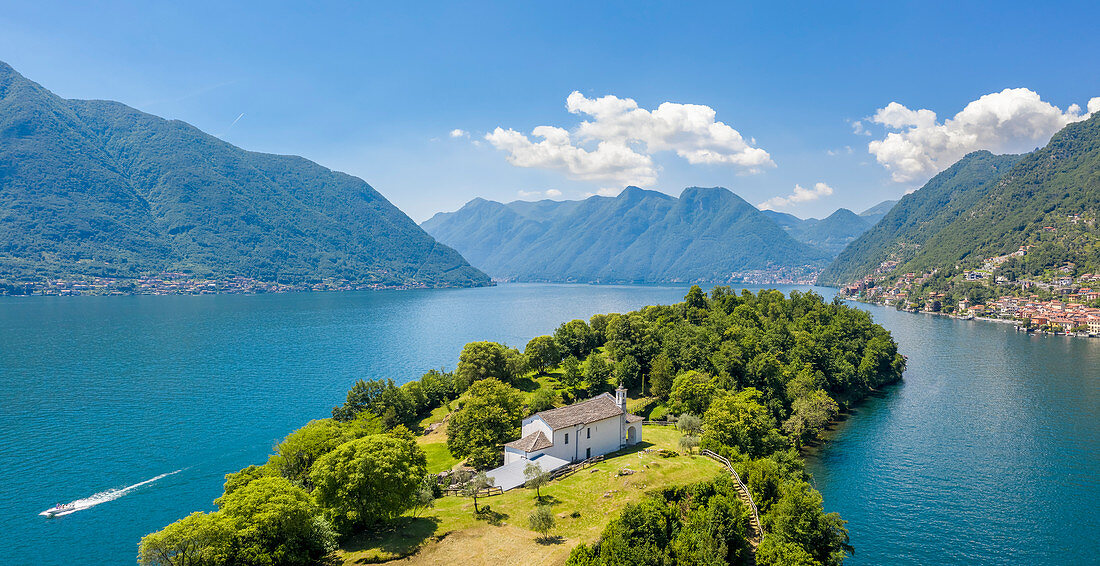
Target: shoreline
<point>1013,322</point>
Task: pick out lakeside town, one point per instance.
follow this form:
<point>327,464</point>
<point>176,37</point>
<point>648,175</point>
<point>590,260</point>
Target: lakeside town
<point>1058,302</point>
<point>175,283</point>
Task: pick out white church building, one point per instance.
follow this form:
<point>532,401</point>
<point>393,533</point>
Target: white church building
<point>558,437</point>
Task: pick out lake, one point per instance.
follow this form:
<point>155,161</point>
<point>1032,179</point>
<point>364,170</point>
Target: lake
<point>987,453</point>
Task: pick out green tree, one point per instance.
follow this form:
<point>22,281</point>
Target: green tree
<point>542,399</point>
<point>295,455</point>
<point>199,539</point>
<point>438,386</point>
<point>275,522</point>
<point>380,397</point>
<point>536,478</point>
<point>629,335</point>
<point>541,520</point>
<point>369,480</point>
<point>571,373</point>
<point>542,352</point>
<point>773,552</point>
<point>689,424</point>
<point>688,443</point>
<point>575,338</point>
<point>739,420</point>
<point>660,375</point>
<point>597,372</point>
<point>810,414</point>
<point>798,518</point>
<point>627,371</point>
<point>692,392</point>
<point>598,324</point>
<point>695,298</point>
<point>237,480</point>
<point>490,417</point>
<point>881,362</point>
<point>482,360</point>
<point>425,495</point>
<point>473,487</point>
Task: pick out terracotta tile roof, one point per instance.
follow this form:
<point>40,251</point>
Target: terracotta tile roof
<point>534,441</point>
<point>589,411</point>
<point>633,418</point>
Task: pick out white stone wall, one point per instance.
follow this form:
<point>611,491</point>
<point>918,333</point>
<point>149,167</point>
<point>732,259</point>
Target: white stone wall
<point>602,437</point>
<point>511,455</point>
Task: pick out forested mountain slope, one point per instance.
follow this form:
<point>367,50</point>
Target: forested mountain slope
<point>919,215</point>
<point>1049,199</point>
<point>96,188</point>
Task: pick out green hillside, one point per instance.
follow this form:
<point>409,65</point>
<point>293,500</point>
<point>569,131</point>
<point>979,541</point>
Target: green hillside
<point>96,188</point>
<point>1049,199</point>
<point>707,234</point>
<point>909,224</point>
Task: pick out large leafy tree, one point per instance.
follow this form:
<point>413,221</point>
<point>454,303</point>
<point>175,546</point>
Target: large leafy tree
<point>295,455</point>
<point>381,397</point>
<point>482,360</point>
<point>571,374</point>
<point>692,392</point>
<point>275,522</point>
<point>369,480</point>
<point>798,519</point>
<point>660,375</point>
<point>199,539</point>
<point>267,521</point>
<point>575,338</point>
<point>490,417</point>
<point>597,372</point>
<point>542,352</point>
<point>810,414</point>
<point>739,420</point>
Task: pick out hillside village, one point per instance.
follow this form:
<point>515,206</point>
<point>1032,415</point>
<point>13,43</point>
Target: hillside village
<point>1056,302</point>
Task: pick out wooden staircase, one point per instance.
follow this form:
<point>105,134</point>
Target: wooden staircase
<point>746,498</point>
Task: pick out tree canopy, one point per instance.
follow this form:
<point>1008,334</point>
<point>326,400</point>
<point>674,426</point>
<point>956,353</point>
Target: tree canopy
<point>368,480</point>
<point>490,417</point>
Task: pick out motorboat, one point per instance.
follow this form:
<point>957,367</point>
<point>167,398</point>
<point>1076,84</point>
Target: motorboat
<point>58,510</point>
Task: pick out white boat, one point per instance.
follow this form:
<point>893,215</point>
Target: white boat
<point>59,510</point>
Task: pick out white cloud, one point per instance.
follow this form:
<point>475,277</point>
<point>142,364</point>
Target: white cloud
<point>605,192</point>
<point>858,129</point>
<point>548,193</point>
<point>624,137</point>
<point>459,133</point>
<point>608,162</point>
<point>800,194</point>
<point>1011,121</point>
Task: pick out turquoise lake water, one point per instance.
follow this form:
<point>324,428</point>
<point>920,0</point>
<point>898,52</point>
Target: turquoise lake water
<point>988,453</point>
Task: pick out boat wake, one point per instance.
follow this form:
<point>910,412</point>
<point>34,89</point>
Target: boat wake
<point>96,499</point>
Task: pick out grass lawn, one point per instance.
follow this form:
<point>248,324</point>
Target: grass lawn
<point>439,458</point>
<point>451,533</point>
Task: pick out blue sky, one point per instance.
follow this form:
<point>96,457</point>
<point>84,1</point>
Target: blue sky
<point>375,90</point>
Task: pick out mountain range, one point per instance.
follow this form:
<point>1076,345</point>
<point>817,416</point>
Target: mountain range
<point>640,236</point>
<point>834,232</point>
<point>988,205</point>
<point>97,188</point>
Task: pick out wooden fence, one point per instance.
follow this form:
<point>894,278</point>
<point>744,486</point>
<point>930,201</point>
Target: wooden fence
<point>741,487</point>
<point>659,423</point>
<point>484,492</point>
